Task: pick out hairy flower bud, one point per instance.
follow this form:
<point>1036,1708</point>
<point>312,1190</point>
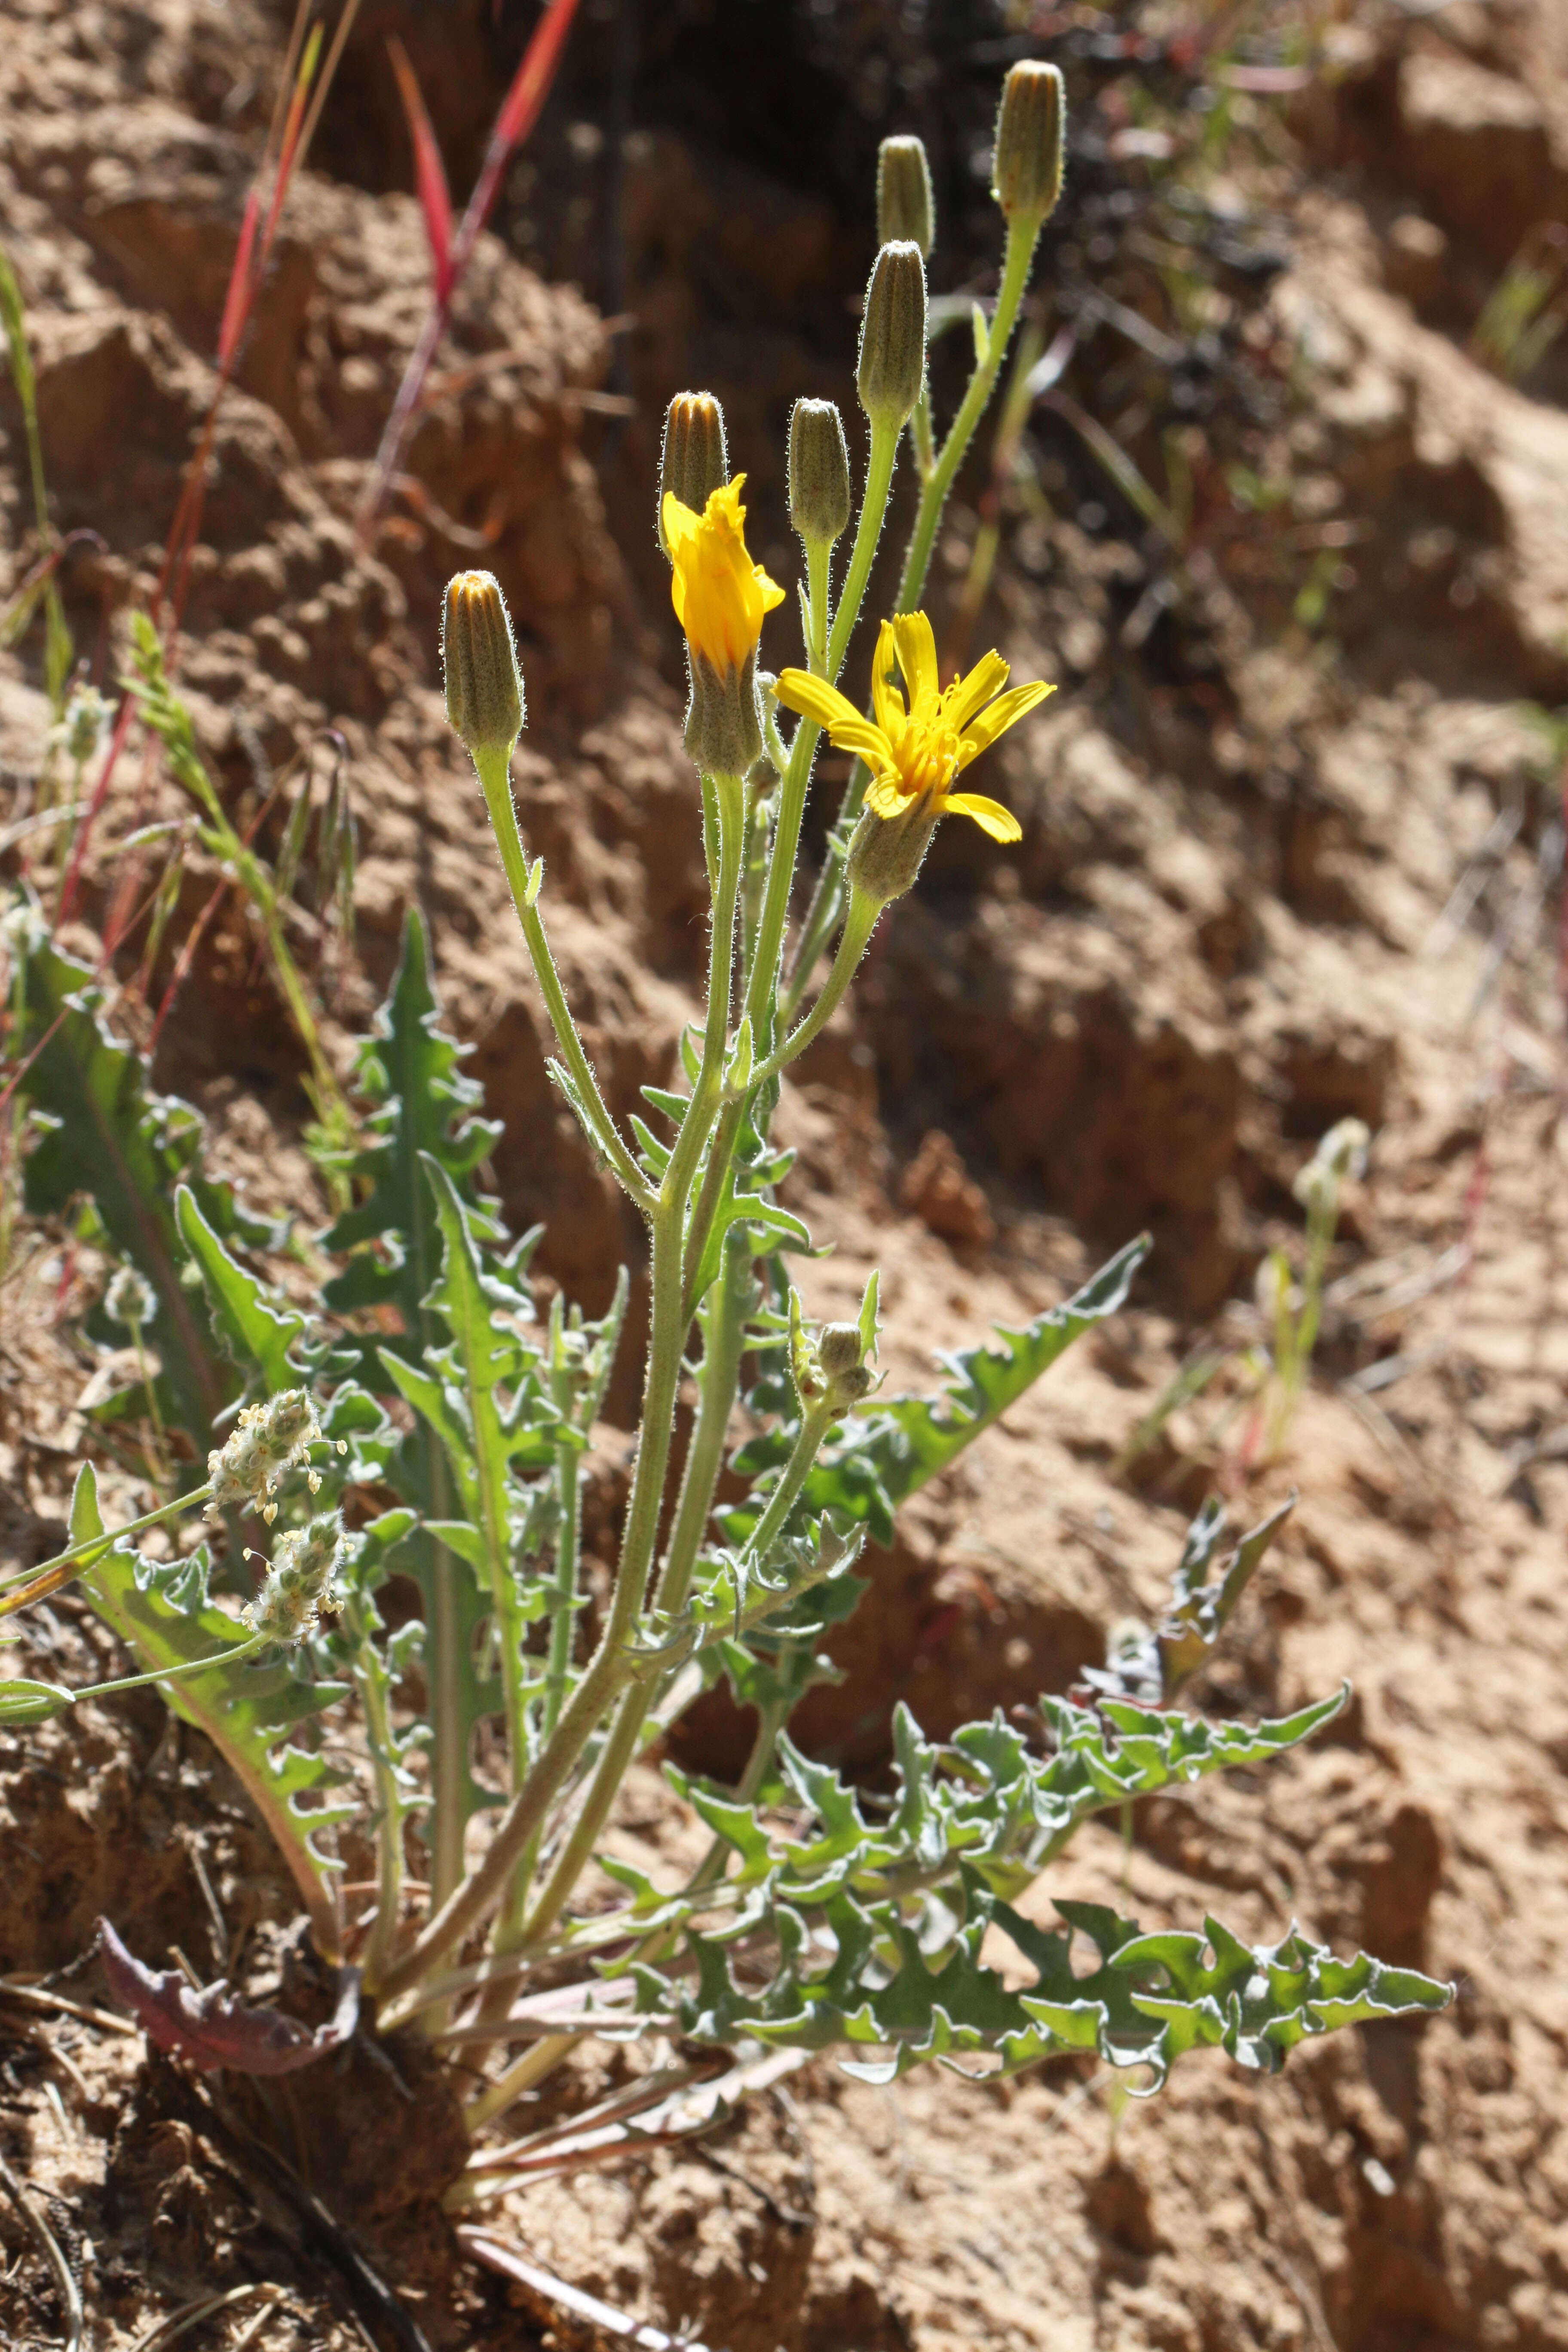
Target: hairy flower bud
<point>1031,129</point>
<point>886,853</point>
<point>893,336</point>
<point>818,472</point>
<point>484,685</point>
<point>696,461</point>
<point>724,730</point>
<point>131,1299</point>
<point>840,1351</point>
<point>906,209</point>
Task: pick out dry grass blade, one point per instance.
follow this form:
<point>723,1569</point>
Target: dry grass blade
<point>191,2315</point>
<point>70,2295</point>
<point>556,2299</point>
<point>40,1997</point>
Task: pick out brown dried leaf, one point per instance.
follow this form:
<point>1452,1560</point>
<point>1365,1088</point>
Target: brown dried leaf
<point>211,2026</point>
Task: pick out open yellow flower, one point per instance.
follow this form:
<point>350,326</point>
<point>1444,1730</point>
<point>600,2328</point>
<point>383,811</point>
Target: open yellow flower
<point>915,753</point>
<point>720,594</point>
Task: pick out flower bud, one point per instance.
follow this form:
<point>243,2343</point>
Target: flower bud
<point>840,1350</point>
<point>818,472</point>
<point>484,685</point>
<point>906,209</point>
<point>723,731</point>
<point>131,1299</point>
<point>887,852</point>
<point>696,461</point>
<point>1031,127</point>
<point>893,336</point>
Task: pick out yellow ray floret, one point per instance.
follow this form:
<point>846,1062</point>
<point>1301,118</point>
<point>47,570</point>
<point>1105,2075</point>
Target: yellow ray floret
<point>720,594</point>
<point>919,748</point>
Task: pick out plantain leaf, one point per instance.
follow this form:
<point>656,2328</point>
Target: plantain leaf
<point>101,1130</point>
<point>161,1611</point>
<point>410,1072</point>
<point>254,1333</point>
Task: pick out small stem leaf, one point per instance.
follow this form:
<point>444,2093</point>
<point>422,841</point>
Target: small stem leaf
<point>254,1331</point>
<point>23,1702</point>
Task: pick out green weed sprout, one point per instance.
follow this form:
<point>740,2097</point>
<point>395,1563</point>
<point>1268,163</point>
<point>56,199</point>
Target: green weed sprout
<point>1294,1310</point>
<point>420,1419</point>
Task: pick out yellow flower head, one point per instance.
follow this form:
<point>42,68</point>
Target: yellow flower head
<point>720,594</point>
<point>915,753</point>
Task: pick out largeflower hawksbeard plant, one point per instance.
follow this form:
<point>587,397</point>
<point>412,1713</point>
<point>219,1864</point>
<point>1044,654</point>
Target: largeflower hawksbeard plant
<point>445,1428</point>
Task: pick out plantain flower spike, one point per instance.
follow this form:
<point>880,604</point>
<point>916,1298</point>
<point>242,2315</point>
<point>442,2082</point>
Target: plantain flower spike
<point>915,751</point>
<point>720,597</point>
<point>906,209</point>
<point>818,473</point>
<point>484,685</point>
<point>892,368</point>
<point>696,459</point>
<point>1031,130</point>
<point>299,1582</point>
<point>267,1442</point>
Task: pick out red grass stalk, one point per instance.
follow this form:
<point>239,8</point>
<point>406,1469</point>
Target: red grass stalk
<point>520,111</point>
<point>252,254</point>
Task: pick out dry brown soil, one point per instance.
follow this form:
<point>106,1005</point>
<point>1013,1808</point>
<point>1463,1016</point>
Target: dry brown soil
<point>1225,930</point>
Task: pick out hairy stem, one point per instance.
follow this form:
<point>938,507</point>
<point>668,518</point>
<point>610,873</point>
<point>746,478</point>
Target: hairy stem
<point>613,1667</point>
<point>826,900</point>
<point>859,924</point>
<point>37,1583</point>
<point>494,772</point>
<point>724,1334</point>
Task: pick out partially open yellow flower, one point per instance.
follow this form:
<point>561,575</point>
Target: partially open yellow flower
<point>720,594</point>
<point>915,753</point>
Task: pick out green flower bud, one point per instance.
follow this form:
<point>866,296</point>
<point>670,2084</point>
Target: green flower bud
<point>887,852</point>
<point>906,209</point>
<point>484,685</point>
<point>818,472</point>
<point>1031,130</point>
<point>839,1349</point>
<point>696,461</point>
<point>724,733</point>
<point>893,336</point>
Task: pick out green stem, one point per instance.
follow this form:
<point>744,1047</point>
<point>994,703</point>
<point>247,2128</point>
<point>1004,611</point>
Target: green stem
<point>859,924</point>
<point>818,598</point>
<point>881,460</point>
<point>37,1583</point>
<point>1022,235</point>
<point>613,1667</point>
<point>170,1674</point>
<point>770,1721</point>
<point>825,655</point>
<point>370,1673</point>
<point>724,1344</point>
<point>493,767</point>
<point>815,1422</point>
<point>880,463</point>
